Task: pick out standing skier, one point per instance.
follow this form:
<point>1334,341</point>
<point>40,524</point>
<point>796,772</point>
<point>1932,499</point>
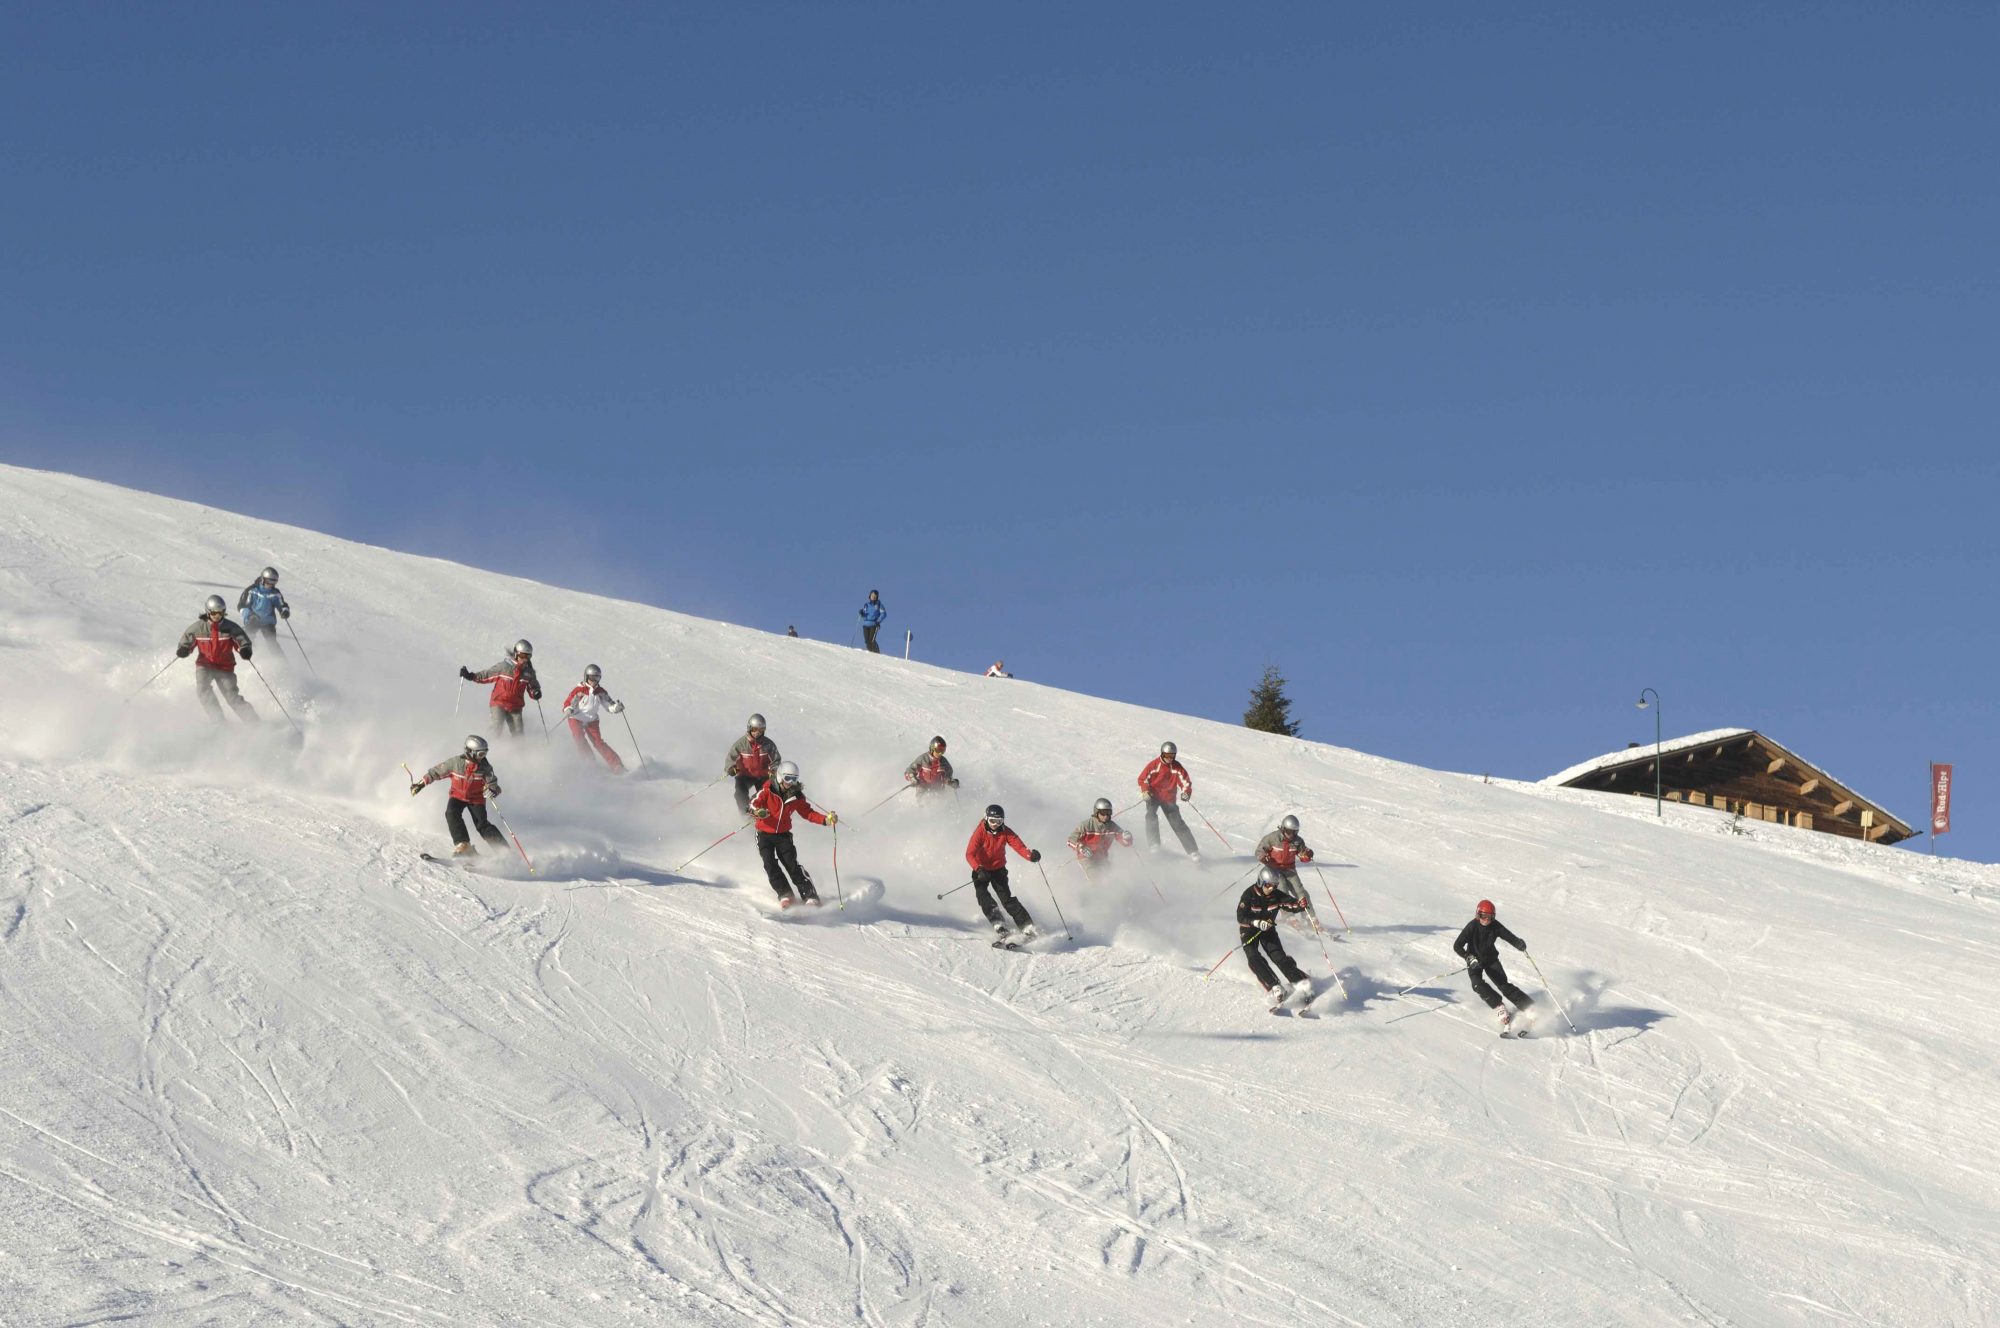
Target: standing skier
<point>585,708</point>
<point>986,854</point>
<point>750,760</point>
<point>1478,945</point>
<point>262,604</point>
<point>872,614</point>
<point>1165,781</point>
<point>930,772</point>
<point>514,685</point>
<point>1092,839</point>
<point>1256,931</point>
<point>774,806</point>
<point>215,642</point>
<point>1284,850</point>
<point>472,783</point>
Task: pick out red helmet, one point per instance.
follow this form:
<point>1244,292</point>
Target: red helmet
<point>1485,906</point>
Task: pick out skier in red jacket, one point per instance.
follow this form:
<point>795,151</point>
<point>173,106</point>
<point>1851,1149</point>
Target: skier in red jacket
<point>775,805</point>
<point>1165,781</point>
<point>514,685</point>
<point>215,642</point>
<point>1091,841</point>
<point>750,761</point>
<point>585,708</point>
<point>472,783</point>
<point>986,854</point>
<point>930,772</point>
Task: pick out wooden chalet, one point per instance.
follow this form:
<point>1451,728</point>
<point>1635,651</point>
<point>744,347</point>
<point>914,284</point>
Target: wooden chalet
<point>1742,772</point>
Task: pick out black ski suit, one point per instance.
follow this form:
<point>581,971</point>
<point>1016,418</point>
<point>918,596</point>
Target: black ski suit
<point>1478,946</point>
<point>1261,945</point>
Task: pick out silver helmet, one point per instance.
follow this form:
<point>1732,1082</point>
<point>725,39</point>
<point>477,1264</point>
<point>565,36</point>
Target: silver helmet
<point>591,673</point>
<point>269,576</point>
<point>1102,807</point>
<point>1290,825</point>
<point>787,773</point>
<point>756,724</point>
<point>475,745</point>
<point>1169,751</point>
<point>1268,878</point>
<point>213,605</point>
<point>524,647</point>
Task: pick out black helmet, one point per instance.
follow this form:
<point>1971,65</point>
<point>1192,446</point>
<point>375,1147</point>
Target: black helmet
<point>937,744</point>
<point>995,813</point>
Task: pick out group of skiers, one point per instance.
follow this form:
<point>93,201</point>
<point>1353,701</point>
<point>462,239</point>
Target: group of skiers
<point>769,795</point>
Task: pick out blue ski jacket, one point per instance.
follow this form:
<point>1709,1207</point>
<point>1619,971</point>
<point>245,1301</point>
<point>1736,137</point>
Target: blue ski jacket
<point>261,604</point>
<point>873,612</point>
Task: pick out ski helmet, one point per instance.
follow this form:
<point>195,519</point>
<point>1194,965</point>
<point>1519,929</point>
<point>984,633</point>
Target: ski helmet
<point>995,814</point>
<point>756,724</point>
<point>524,647</point>
<point>1290,825</point>
<point>591,673</point>
<point>1268,879</point>
<point>937,744</point>
<point>475,745</point>
<point>1485,908</point>
<point>269,575</point>
<point>213,605</point>
<point>1169,751</point>
<point>1101,807</point>
<point>786,773</point>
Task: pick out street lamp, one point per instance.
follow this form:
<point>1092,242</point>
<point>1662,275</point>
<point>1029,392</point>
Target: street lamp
<point>1659,806</point>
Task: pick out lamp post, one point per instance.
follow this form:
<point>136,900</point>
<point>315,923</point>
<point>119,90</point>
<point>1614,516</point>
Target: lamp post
<point>1659,806</point>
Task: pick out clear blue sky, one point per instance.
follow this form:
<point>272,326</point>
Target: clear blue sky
<point>1479,365</point>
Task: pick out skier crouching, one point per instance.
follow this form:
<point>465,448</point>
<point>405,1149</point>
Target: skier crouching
<point>774,806</point>
<point>986,854</point>
<point>215,642</point>
<point>1092,839</point>
<point>1256,931</point>
<point>930,772</point>
<point>472,783</point>
<point>1478,945</point>
<point>584,708</point>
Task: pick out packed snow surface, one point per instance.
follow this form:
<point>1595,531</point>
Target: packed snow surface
<point>263,1064</point>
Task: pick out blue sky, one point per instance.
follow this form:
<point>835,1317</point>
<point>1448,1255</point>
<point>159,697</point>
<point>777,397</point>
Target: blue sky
<point>1478,365</point>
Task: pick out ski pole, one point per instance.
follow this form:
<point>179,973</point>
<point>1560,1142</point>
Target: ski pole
<point>1220,962</point>
<point>718,843</point>
<point>457,700</point>
<point>1414,985</point>
<point>546,735</point>
<point>1312,911</point>
<point>1067,934</point>
<point>1155,884</point>
<point>1552,995</point>
<point>885,802</point>
<point>150,681</point>
<point>302,647</point>
<point>1210,824</point>
<point>274,697</point>
<point>511,835</point>
<point>1141,802</point>
<point>837,894</point>
<point>956,888</point>
<point>1238,881</point>
<point>635,739</point>
<point>1331,900</point>
<point>703,789</point>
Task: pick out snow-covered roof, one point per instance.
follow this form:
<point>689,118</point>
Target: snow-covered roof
<point>1644,751</point>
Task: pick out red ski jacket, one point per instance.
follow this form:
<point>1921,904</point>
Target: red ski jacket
<point>1284,854</point>
<point>1166,780</point>
<point>215,644</point>
<point>512,683</point>
<point>752,757</point>
<point>986,851</point>
<point>775,810</point>
<point>470,780</point>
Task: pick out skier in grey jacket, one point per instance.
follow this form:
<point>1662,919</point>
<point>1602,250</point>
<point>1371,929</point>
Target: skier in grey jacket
<point>751,760</point>
<point>215,642</point>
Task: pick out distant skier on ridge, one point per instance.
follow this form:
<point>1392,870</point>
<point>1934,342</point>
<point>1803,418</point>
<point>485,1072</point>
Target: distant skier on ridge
<point>514,685</point>
<point>584,708</point>
<point>215,642</point>
<point>872,614</point>
<point>1478,945</point>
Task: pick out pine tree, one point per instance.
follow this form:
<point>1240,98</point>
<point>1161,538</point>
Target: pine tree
<point>1270,709</point>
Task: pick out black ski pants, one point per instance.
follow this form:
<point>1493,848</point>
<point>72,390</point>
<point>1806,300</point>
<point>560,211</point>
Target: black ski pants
<point>994,895</point>
<point>1154,809</point>
<point>454,816</point>
<point>1264,951</point>
<point>1480,973</point>
<point>264,636</point>
<point>781,861</point>
<point>746,789</point>
<point>868,637</point>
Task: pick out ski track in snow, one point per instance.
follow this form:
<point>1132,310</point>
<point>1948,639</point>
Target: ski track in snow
<point>266,1065</point>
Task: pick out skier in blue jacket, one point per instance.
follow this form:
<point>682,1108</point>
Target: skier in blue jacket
<point>263,604</point>
<point>872,614</point>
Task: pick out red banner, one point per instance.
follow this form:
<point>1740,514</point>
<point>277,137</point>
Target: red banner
<point>1940,798</point>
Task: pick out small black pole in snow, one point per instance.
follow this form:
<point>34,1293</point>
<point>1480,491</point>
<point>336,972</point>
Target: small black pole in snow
<point>302,648</point>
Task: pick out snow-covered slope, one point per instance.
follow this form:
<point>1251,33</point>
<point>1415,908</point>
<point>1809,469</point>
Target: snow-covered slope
<point>262,1064</point>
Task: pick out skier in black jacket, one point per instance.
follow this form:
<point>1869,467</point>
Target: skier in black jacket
<point>1256,929</point>
<point>1478,945</point>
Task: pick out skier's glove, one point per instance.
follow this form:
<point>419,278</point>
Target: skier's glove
<point>1034,855</point>
<point>954,783</point>
<point>1263,924</point>
<point>284,613</point>
<point>1305,857</point>
<point>729,772</point>
<point>415,789</point>
<point>833,818</point>
<point>183,652</point>
<point>568,713</point>
<point>535,692</point>
<point>1472,967</point>
<point>1126,840</point>
<point>246,652</point>
<point>466,674</point>
<point>616,707</point>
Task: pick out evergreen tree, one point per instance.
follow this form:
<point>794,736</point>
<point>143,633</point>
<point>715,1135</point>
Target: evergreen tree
<point>1270,709</point>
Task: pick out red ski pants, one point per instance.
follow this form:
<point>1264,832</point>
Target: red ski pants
<point>587,737</point>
